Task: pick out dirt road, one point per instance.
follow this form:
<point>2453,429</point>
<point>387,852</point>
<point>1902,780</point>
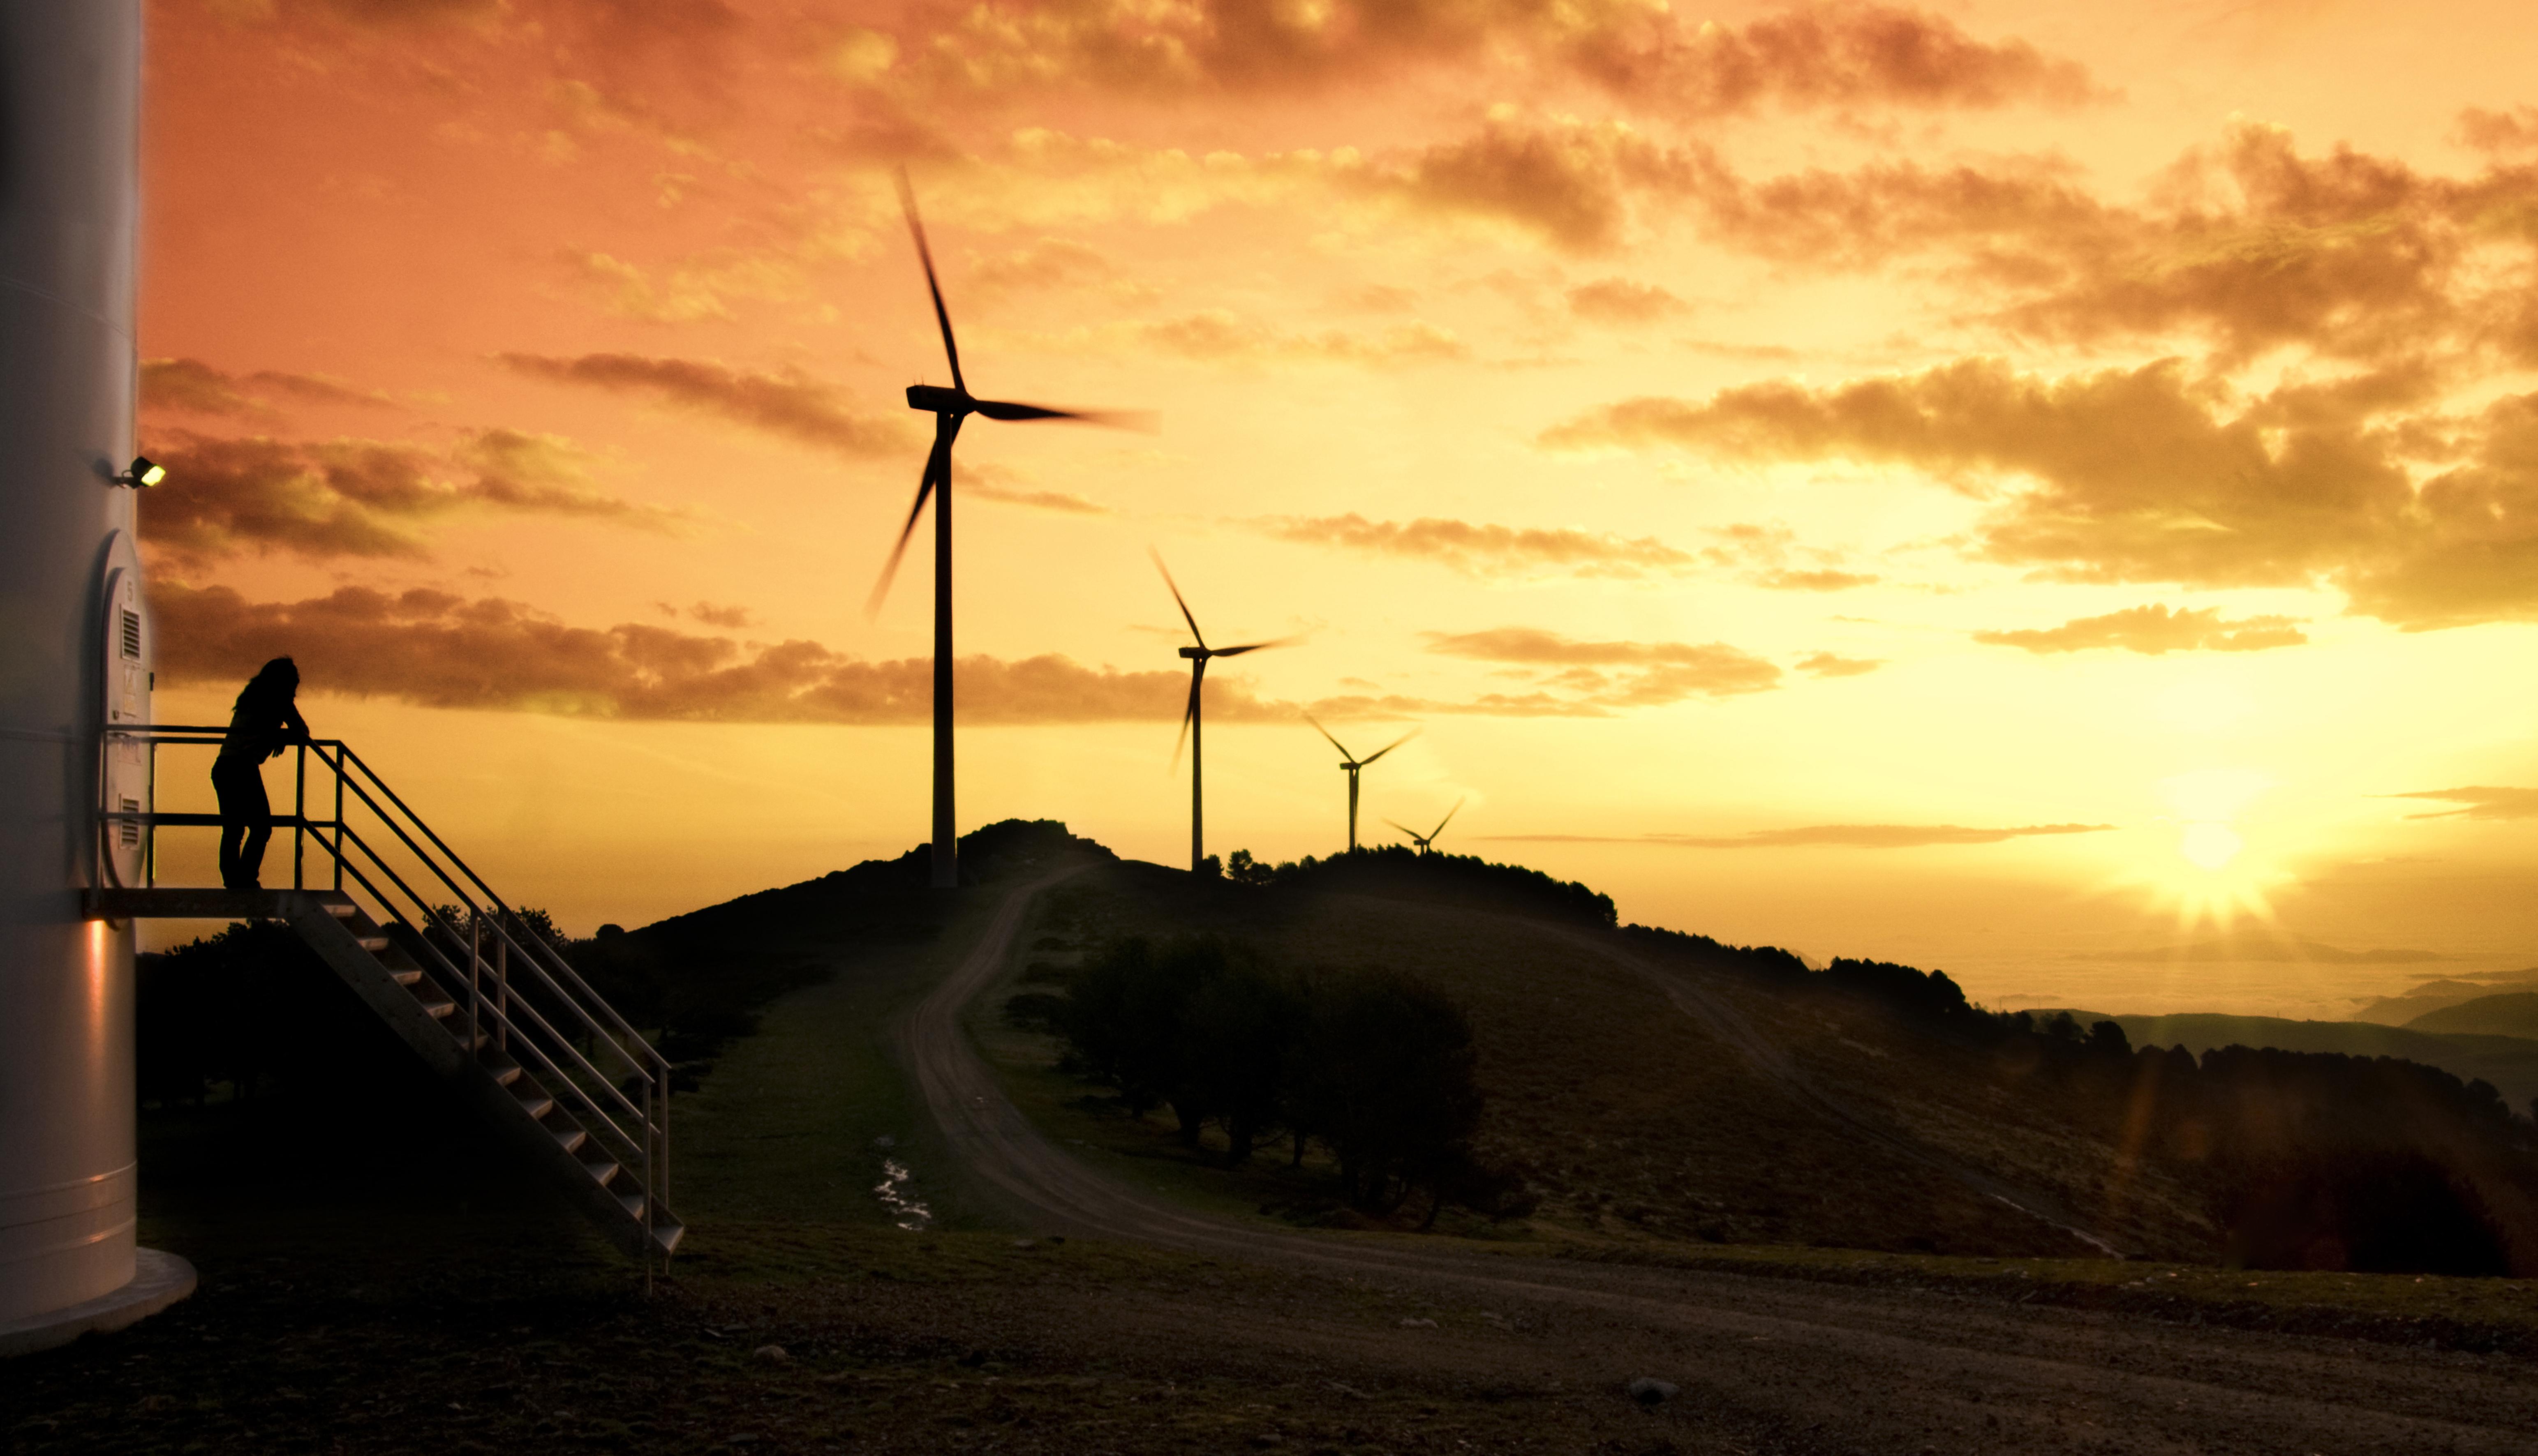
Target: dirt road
<point>1764,1364</point>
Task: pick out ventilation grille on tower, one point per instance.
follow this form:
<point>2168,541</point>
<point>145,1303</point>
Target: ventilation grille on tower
<point>128,831</point>
<point>131,634</point>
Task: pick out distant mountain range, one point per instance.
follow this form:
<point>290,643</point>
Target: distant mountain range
<point>2508,1060</point>
<point>2272,950</point>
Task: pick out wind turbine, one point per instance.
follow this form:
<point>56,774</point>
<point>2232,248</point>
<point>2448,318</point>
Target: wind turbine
<point>950,407</point>
<point>1191,726</point>
<point>1429,838</point>
<point>1352,766</point>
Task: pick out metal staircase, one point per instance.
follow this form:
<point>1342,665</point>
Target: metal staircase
<point>486,1001</point>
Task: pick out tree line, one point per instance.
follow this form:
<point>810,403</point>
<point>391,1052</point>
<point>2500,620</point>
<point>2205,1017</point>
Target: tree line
<point>1374,1066</point>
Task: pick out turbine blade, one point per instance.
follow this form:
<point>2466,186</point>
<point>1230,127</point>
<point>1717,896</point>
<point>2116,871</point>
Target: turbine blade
<point>1176,596</point>
<point>1189,716</point>
<point>1449,819</point>
<point>1326,733</point>
<point>1137,420</point>
<point>1389,747</point>
<point>1248,648</point>
<point>938,465</point>
<point>925,255</point>
<point>1403,827</point>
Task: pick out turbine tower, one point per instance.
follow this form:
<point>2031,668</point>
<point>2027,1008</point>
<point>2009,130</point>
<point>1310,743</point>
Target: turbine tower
<point>1429,838</point>
<point>948,407</point>
<point>1352,766</point>
<point>1190,725</point>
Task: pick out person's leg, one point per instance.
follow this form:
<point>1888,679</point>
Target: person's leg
<point>259,828</point>
<point>234,812</point>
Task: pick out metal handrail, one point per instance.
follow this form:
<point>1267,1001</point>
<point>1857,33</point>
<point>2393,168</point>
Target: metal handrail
<point>345,754</point>
<point>523,1028</point>
<point>481,913</point>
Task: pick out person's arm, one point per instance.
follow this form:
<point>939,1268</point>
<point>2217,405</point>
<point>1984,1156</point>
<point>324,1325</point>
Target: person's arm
<point>295,729</point>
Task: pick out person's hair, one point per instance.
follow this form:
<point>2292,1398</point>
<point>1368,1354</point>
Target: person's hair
<point>276,682</point>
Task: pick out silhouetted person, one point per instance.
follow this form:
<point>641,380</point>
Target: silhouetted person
<point>265,721</point>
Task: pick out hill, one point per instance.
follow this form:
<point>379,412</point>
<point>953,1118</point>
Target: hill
<point>2509,1062</point>
<point>2430,996</point>
<point>2506,1014</point>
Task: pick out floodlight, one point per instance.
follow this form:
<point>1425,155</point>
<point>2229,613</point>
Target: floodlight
<point>143,472</point>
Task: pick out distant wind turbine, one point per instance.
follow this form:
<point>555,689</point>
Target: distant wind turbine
<point>1191,726</point>
<point>1352,766</point>
<point>950,407</point>
<point>1429,838</point>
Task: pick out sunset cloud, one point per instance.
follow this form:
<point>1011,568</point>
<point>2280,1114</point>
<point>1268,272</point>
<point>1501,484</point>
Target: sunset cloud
<point>1834,665</point>
<point>2154,473</point>
<point>789,404</point>
<point>2479,801</point>
<point>1221,335</point>
<point>1806,56</point>
<point>2155,630</point>
<point>436,649</point>
<point>1620,302</point>
<point>355,497</point>
<point>1485,550</point>
<point>192,386</point>
<point>1618,674</point>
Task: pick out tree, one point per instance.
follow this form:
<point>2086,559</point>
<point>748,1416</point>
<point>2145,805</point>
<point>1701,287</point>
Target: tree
<point>1386,1084</point>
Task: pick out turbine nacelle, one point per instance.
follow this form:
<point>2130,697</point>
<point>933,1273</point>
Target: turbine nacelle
<point>934,399</point>
<point>1194,652</point>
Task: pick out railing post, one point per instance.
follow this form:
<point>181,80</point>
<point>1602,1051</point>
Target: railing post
<point>503,993</point>
<point>150,829</point>
<point>300,816</point>
<point>338,817</point>
<point>475,979</point>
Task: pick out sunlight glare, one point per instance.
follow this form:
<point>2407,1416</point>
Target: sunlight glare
<point>2210,845</point>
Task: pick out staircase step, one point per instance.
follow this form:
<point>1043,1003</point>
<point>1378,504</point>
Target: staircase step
<point>375,944</point>
<point>537,1106</point>
<point>405,977</point>
<point>436,1005</point>
<point>342,910</point>
<point>603,1173</point>
<point>571,1139</point>
<point>633,1204</point>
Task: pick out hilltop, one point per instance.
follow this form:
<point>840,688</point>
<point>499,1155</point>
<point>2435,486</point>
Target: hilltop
<point>1653,1087</point>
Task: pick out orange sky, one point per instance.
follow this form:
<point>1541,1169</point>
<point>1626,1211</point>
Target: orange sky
<point>1984,485</point>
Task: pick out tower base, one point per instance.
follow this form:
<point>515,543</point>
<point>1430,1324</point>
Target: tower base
<point>159,1280</point>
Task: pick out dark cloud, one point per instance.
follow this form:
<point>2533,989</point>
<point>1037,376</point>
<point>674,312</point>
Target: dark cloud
<point>791,404</point>
<point>2479,802</point>
<point>1847,836</point>
<point>1621,302</point>
<point>192,386</point>
<point>1616,674</point>
<point>1484,549</point>
<point>2155,630</point>
<point>356,498</point>
<point>1834,665</point>
<point>2156,474</point>
<point>440,651</point>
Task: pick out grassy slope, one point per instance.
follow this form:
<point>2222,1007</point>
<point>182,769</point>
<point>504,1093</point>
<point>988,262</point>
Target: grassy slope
<point>1629,1118</point>
<point>787,1124</point>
